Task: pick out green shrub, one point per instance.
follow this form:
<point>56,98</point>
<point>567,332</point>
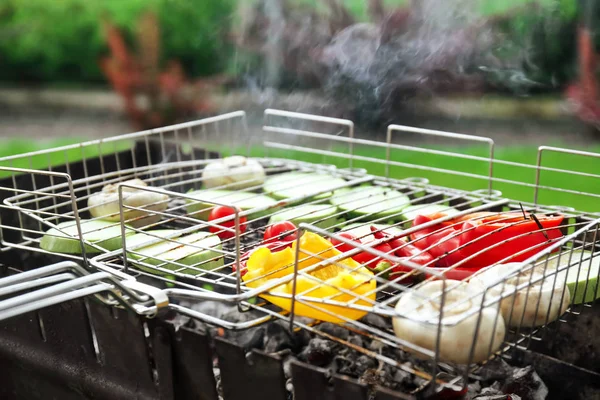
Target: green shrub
<point>43,40</point>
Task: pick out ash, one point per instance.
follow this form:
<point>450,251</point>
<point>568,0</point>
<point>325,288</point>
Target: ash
<point>332,348</point>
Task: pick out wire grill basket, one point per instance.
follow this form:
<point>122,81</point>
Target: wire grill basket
<point>162,253</point>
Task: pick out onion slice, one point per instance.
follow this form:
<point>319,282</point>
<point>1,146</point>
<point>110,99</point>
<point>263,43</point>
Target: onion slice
<point>539,299</point>
<point>458,329</point>
<point>105,204</point>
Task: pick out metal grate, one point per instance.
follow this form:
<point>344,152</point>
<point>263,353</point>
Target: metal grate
<point>173,170</point>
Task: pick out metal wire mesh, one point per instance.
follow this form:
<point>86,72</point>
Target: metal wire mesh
<point>447,320</point>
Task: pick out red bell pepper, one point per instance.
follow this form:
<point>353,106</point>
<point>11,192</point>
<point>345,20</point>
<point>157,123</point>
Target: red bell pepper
<point>369,260</point>
<point>273,246</point>
<point>498,236</point>
<point>401,249</point>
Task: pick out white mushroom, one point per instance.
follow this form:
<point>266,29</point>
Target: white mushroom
<point>237,172</point>
<point>532,299</point>
<point>105,204</point>
<point>458,330</point>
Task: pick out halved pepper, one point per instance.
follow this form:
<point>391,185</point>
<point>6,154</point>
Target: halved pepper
<point>265,265</point>
<point>276,246</point>
<point>455,240</point>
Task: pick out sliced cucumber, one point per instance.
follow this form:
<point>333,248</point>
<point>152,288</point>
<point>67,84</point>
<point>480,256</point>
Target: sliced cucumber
<point>322,215</point>
<point>363,231</point>
<point>243,200</point>
<point>104,234</point>
<point>180,249</point>
<point>411,212</point>
<point>371,202</point>
<point>296,184</point>
<point>582,269</point>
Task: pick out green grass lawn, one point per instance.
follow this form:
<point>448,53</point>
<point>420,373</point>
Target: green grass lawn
<point>448,175</point>
<point>509,179</point>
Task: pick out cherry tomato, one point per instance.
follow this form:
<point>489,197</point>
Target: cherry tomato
<point>279,232</point>
<point>221,212</point>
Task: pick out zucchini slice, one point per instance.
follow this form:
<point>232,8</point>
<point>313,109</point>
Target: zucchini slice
<point>104,234</point>
<point>371,202</point>
<point>180,249</point>
<point>295,184</point>
<point>243,200</point>
<point>319,215</point>
<point>581,275</point>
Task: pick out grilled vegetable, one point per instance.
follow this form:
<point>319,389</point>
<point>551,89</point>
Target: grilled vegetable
<point>222,212</point>
<point>198,249</point>
<point>540,300</point>
<point>105,204</point>
<point>296,184</point>
<point>104,234</point>
<point>499,237</point>
<point>265,265</point>
<point>273,246</point>
<point>244,200</point>
<point>365,233</point>
<point>367,259</point>
<point>371,202</point>
<point>411,212</point>
<point>284,231</point>
<point>237,172</point>
<point>458,330</point>
<point>320,215</point>
<point>581,276</point>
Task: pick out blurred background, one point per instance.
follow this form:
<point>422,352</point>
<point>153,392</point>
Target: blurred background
<point>520,71</point>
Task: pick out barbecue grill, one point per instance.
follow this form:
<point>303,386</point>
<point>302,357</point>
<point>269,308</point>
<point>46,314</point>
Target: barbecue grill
<point>99,323</point>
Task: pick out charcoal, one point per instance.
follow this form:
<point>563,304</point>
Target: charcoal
<point>491,391</point>
<point>526,383</point>
<point>287,366</point>
<point>319,352</point>
<point>277,337</point>
<point>364,363</point>
<point>288,385</point>
<point>497,397</point>
<point>376,321</point>
<point>495,370</point>
<point>473,389</point>
<point>250,339</point>
<point>402,377</point>
<point>344,365</point>
<point>376,346</point>
<point>302,338</point>
<point>334,330</point>
<point>356,340</point>
<point>179,321</point>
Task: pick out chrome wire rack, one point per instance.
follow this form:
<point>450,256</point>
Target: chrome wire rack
<point>443,311</point>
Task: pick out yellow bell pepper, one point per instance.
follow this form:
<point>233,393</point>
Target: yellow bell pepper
<point>264,265</point>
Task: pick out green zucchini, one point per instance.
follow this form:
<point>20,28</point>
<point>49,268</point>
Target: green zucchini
<point>321,215</point>
<point>179,249</point>
<point>104,234</point>
<point>582,271</point>
<point>243,200</point>
<point>371,202</point>
<point>297,184</point>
